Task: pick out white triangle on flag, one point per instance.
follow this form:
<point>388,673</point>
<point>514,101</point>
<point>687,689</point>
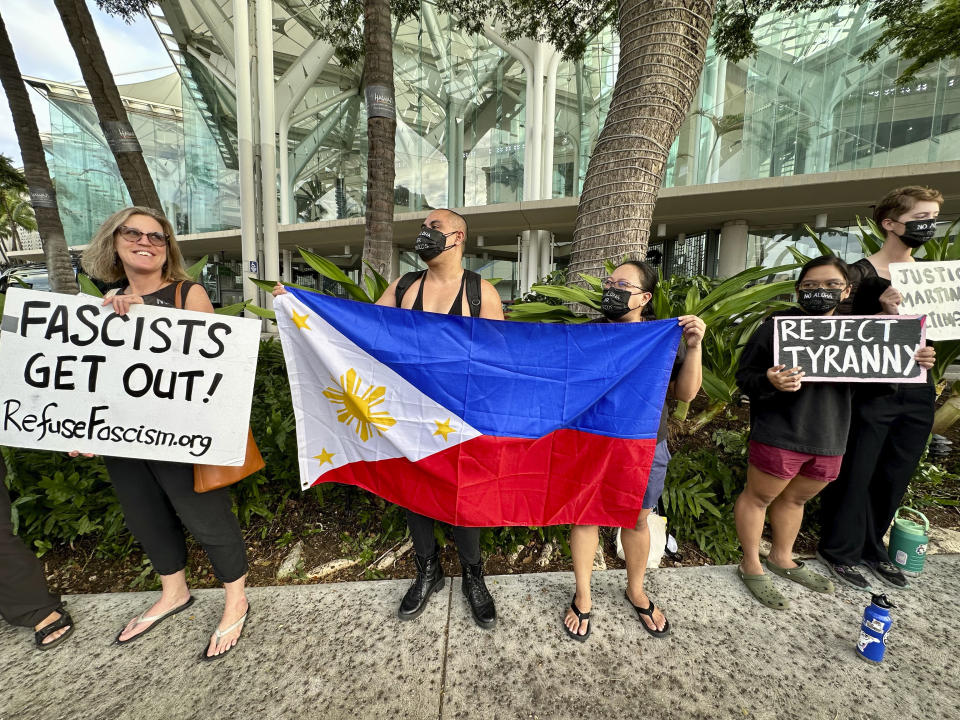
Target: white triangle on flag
<point>351,407</point>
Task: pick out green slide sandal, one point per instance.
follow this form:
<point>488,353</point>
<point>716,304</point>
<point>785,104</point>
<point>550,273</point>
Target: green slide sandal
<point>761,587</point>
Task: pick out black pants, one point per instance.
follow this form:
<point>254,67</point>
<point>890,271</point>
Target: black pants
<point>888,434</point>
<point>425,543</point>
<point>158,501</point>
<point>24,597</point>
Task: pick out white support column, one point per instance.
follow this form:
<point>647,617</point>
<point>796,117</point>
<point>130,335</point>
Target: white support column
<point>549,126</point>
<point>294,84</point>
<point>268,142</point>
<point>248,236</point>
<point>529,131</point>
<point>536,102</point>
<point>733,248</point>
<point>287,266</point>
<point>546,253</point>
<point>820,221</point>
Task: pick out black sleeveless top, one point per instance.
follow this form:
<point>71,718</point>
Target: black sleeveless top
<point>455,309</point>
<point>166,296</point>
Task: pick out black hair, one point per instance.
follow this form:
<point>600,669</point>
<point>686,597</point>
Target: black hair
<point>648,279</point>
<point>822,261</point>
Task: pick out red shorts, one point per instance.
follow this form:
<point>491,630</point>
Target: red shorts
<point>787,464</point>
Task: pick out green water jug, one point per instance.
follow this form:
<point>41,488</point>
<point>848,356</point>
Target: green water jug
<point>908,542</point>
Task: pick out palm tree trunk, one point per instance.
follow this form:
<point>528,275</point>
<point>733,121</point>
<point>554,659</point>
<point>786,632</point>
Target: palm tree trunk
<point>42,195</point>
<point>381,129</point>
<point>662,46</point>
<point>106,100</point>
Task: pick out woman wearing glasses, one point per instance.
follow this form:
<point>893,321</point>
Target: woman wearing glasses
<point>798,434</point>
<point>136,247</point>
<point>626,298</point>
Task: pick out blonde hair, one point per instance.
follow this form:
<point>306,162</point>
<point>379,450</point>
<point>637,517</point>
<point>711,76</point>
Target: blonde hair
<point>100,259</point>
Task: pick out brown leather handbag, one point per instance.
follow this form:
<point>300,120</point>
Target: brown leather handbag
<point>212,477</point>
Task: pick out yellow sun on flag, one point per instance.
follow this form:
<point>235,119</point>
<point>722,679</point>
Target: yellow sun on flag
<point>359,407</point>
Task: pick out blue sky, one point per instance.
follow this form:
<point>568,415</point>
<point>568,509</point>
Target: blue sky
<point>43,50</point>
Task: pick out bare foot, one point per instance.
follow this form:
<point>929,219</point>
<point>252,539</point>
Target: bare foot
<point>575,624</point>
<point>641,600</point>
<point>160,607</point>
<point>227,636</point>
<point>52,617</point>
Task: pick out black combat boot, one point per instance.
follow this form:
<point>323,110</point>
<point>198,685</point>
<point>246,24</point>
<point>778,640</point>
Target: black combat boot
<point>428,581</point>
<point>481,603</point>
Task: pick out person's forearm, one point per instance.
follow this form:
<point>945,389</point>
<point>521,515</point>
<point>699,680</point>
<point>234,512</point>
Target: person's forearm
<point>690,377</point>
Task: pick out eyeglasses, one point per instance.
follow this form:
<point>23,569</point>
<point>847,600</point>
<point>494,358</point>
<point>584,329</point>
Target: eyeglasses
<point>817,285</point>
<point>620,285</point>
<point>132,235</point>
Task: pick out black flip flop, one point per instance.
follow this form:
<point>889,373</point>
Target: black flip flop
<point>242,622</point>
<point>581,616</point>
<point>649,613</point>
<point>47,630</point>
<point>154,621</point>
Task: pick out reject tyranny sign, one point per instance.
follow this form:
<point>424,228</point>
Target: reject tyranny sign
<point>931,289</point>
<point>157,383</point>
<point>851,348</point>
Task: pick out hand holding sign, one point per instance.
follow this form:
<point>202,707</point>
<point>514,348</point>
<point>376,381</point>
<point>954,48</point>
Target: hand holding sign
<point>931,289</point>
<point>783,379</point>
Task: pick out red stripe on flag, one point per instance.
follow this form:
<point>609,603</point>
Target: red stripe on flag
<point>565,477</point>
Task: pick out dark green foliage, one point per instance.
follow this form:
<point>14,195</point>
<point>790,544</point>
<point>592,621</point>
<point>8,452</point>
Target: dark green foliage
<point>341,24</point>
<point>127,10</point>
<point>568,26</point>
<point>699,493</point>
<point>58,499</point>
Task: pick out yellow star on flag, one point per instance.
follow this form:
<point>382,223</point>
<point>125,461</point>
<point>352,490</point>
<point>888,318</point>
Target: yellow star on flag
<point>324,457</point>
<point>443,428</point>
<point>300,320</point>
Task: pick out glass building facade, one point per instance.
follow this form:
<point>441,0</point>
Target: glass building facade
<point>804,104</point>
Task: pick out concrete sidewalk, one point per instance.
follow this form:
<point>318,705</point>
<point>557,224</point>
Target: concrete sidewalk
<point>338,651</point>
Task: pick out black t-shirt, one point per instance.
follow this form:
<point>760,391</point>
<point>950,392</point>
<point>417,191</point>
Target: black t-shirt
<point>815,419</point>
<point>166,296</point>
<point>677,364</point>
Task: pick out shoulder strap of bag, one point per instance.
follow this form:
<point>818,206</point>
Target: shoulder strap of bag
<point>474,299</point>
<point>177,299</point>
<point>406,281</point>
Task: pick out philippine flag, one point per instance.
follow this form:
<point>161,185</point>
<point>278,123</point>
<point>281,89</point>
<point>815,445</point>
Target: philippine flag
<point>477,422</point>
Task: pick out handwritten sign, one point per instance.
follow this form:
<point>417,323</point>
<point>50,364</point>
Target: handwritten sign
<point>851,348</point>
<point>931,289</point>
<point>157,383</point>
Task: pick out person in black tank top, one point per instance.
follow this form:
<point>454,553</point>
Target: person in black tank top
<point>890,423</point>
<point>445,286</point>
<point>136,247</point>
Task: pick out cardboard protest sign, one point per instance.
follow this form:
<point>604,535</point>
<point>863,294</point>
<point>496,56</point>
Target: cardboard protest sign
<point>851,348</point>
<point>931,289</point>
<point>157,383</point>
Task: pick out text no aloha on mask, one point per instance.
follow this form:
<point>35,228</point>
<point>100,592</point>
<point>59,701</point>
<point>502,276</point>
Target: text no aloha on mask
<point>431,242</point>
<point>819,301</point>
<point>918,232</point>
<point>615,303</point>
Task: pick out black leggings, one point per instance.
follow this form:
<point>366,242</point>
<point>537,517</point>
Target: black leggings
<point>425,544</point>
<point>158,501</point>
<point>24,597</point>
<point>887,436</point>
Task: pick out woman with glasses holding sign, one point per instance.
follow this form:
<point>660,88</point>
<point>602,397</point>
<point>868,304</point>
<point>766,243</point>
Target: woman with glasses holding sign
<point>797,436</point>
<point>136,247</point>
<point>626,298</point>
<point>891,423</point>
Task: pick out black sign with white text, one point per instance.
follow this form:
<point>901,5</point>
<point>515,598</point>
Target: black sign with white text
<point>851,348</point>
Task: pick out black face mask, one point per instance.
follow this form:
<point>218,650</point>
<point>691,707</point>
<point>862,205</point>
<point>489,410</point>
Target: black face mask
<point>918,232</point>
<point>615,303</point>
<point>430,243</point>
<point>820,301</point>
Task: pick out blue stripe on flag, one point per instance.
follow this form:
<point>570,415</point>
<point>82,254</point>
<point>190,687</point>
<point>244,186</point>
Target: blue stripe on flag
<point>514,379</point>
